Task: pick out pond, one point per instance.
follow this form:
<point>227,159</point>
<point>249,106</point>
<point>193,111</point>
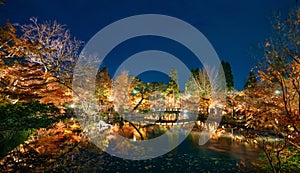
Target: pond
<point>215,156</point>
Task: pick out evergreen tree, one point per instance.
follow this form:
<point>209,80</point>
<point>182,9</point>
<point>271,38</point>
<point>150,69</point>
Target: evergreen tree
<point>103,89</point>
<point>191,86</point>
<point>251,82</point>
<point>173,89</point>
<point>173,82</point>
<point>228,75</point>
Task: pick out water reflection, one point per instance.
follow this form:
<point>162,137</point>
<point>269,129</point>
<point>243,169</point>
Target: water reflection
<point>215,156</point>
<point>221,155</point>
<point>243,151</point>
<point>234,151</point>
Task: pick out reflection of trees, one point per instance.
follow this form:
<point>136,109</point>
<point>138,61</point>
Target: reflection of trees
<point>37,66</point>
<point>122,89</point>
<point>57,147</point>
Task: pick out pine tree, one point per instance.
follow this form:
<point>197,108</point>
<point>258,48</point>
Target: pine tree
<point>251,82</point>
<point>228,75</point>
<point>103,89</point>
<point>173,89</point>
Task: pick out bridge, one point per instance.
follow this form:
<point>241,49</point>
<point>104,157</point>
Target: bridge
<point>167,117</point>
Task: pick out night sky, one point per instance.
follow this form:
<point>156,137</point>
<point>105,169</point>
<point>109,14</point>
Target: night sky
<point>234,27</point>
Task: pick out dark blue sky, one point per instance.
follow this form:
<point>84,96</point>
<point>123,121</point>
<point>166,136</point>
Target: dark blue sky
<point>234,27</point>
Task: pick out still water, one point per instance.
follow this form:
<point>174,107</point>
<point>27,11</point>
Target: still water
<point>216,156</point>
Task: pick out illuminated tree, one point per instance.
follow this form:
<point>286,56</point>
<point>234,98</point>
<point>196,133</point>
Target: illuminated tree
<point>140,95</point>
<point>282,66</point>
<point>198,89</point>
<point>58,50</point>
<point>172,91</point>
<point>274,104</point>
<point>26,80</point>
<point>251,82</point>
<point>103,90</point>
<point>121,97</point>
<point>157,97</point>
<point>121,93</point>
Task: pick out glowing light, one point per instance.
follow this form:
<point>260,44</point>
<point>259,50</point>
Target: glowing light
<point>134,138</point>
<point>134,91</point>
<point>277,92</point>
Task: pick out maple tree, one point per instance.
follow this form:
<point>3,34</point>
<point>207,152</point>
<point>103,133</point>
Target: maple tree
<point>282,71</point>
<point>13,51</point>
<point>198,89</point>
<point>38,65</point>
<point>272,105</point>
<point>11,45</point>
<point>58,49</point>
<point>121,93</point>
<point>26,82</point>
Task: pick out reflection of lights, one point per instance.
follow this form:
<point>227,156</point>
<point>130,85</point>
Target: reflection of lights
<point>134,138</point>
<point>276,120</point>
<point>224,112</point>
<point>185,113</point>
<point>72,105</point>
<point>189,96</point>
<point>277,92</point>
<point>134,91</point>
<point>110,98</point>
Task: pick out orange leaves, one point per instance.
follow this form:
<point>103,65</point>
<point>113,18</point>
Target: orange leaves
<point>75,127</point>
<point>60,125</point>
<point>28,82</point>
<point>267,44</point>
<point>278,25</point>
<point>264,76</point>
<point>68,131</point>
<point>50,141</point>
<point>273,105</point>
<point>12,46</point>
<point>76,138</point>
<point>297,20</point>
